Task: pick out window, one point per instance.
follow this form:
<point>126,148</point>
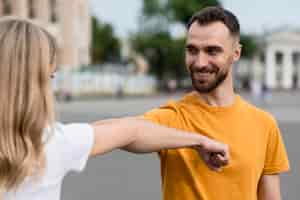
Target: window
<point>296,59</point>
<point>296,71</point>
<point>31,9</point>
<point>279,58</point>
<point>7,9</point>
<point>53,11</point>
<point>262,58</point>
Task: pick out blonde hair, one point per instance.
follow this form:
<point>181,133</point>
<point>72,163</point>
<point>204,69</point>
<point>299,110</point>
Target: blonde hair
<point>27,53</point>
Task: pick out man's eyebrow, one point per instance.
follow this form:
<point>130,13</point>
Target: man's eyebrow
<point>189,45</point>
<point>213,47</point>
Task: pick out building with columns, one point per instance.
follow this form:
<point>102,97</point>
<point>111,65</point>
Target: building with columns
<point>282,59</point>
<point>276,63</point>
<point>68,20</point>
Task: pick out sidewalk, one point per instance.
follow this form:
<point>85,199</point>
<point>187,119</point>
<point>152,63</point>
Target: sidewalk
<point>284,106</point>
<point>277,99</point>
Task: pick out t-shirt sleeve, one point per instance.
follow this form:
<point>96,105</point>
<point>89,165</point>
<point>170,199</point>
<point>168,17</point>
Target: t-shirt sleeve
<point>78,143</point>
<point>276,156</point>
<point>165,115</point>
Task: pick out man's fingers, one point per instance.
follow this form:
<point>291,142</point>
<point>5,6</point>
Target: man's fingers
<point>218,160</point>
<point>212,166</point>
<point>222,159</point>
<point>215,157</point>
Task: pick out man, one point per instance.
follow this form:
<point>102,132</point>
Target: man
<point>257,151</point>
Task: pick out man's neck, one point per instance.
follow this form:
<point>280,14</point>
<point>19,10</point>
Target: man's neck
<point>222,96</point>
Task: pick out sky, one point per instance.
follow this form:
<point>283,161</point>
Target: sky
<point>255,16</point>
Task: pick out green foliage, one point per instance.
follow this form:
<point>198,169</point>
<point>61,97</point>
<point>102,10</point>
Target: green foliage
<point>249,46</point>
<point>181,11</point>
<point>105,45</point>
<point>152,8</point>
<point>175,10</point>
<point>164,53</point>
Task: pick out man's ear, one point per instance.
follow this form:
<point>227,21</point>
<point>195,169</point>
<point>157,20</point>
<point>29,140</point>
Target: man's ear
<point>188,69</point>
<point>237,52</point>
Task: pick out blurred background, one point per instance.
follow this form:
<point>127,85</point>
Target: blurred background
<point>119,58</point>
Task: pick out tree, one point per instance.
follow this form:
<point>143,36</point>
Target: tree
<point>176,10</point>
<point>164,53</point>
<point>249,46</point>
<point>155,48</point>
<point>105,45</point>
<point>181,11</point>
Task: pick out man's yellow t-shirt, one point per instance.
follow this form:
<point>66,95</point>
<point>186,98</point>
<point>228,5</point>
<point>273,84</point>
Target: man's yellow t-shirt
<point>256,148</point>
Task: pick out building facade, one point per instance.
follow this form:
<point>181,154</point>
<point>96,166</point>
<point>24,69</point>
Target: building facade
<point>276,64</point>
<point>68,20</point>
<point>282,59</point>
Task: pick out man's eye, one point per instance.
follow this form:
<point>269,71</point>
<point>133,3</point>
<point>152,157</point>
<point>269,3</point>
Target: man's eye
<point>191,50</point>
<point>213,51</point>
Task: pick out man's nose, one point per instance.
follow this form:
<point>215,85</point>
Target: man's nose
<point>202,60</point>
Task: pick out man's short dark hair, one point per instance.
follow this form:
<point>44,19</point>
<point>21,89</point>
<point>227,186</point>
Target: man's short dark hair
<point>216,14</point>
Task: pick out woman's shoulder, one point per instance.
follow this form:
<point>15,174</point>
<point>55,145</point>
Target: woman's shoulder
<point>61,131</point>
<point>69,144</point>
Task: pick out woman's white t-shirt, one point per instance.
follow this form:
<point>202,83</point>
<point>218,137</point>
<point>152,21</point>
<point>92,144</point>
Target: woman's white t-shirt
<point>67,149</point>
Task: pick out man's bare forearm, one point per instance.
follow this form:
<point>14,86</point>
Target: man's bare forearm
<point>140,136</point>
<point>269,188</point>
<point>151,137</point>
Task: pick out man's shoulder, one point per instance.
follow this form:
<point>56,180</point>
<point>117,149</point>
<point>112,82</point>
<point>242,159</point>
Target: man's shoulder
<point>167,113</point>
<point>259,113</point>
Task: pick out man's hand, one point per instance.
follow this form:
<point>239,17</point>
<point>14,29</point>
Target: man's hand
<point>214,154</point>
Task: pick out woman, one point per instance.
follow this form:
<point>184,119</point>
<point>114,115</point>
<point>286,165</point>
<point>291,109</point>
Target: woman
<point>35,151</point>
